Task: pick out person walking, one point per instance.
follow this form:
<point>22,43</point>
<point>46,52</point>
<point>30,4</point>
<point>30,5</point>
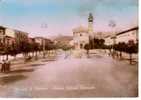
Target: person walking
<point>3,66</point>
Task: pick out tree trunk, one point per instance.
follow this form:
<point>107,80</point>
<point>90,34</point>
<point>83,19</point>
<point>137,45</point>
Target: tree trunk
<point>130,58</point>
<point>6,56</point>
<point>88,53</point>
<point>120,54</point>
<point>36,57</point>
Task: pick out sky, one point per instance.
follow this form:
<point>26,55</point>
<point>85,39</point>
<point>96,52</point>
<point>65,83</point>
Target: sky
<point>59,17</point>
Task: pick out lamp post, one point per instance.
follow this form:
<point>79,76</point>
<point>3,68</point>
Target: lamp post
<point>44,47</point>
<point>44,26</point>
<point>112,24</point>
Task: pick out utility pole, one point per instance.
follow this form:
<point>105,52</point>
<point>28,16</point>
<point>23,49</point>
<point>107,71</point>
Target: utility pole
<point>44,26</point>
<point>44,47</point>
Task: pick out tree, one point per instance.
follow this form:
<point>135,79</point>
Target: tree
<point>131,48</point>
<point>87,48</point>
<point>24,47</point>
<point>1,48</point>
<point>121,47</point>
<point>98,43</point>
<point>14,50</point>
<point>35,48</point>
<point>7,51</point>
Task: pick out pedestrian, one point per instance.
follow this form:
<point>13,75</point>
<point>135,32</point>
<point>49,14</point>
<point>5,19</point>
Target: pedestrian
<point>7,66</point>
<point>2,66</point>
<point>3,69</point>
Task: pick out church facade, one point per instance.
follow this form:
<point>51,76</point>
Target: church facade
<point>82,35</point>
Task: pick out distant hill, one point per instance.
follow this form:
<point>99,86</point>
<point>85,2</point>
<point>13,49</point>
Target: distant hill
<point>63,39</point>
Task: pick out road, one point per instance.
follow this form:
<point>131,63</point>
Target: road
<point>97,76</point>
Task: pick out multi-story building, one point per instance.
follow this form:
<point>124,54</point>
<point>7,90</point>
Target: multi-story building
<point>2,32</point>
<point>20,36</point>
<point>6,36</point>
<point>82,35</point>
<point>31,40</point>
<point>127,35</point>
<point>9,36</point>
<point>39,40</point>
<point>123,36</point>
<point>9,40</point>
<point>42,41</point>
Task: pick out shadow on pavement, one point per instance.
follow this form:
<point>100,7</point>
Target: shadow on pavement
<point>95,56</point>
<point>36,65</point>
<point>21,70</point>
<point>11,79</point>
<point>49,60</point>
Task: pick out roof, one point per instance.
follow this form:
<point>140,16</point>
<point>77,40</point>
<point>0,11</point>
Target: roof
<point>39,37</point>
<point>80,29</point>
<point>123,32</point>
<point>10,37</point>
<point>107,36</point>
<point>1,27</point>
<point>132,29</point>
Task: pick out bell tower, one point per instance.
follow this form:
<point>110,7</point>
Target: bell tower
<point>90,23</point>
<point>90,30</point>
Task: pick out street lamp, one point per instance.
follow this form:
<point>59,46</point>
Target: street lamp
<point>44,26</point>
<point>44,47</point>
<point>112,24</point>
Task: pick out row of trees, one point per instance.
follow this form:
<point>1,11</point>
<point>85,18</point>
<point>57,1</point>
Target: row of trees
<point>129,47</point>
<point>95,44</point>
<point>25,48</point>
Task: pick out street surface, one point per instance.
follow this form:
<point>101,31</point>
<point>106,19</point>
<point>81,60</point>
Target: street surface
<point>66,76</point>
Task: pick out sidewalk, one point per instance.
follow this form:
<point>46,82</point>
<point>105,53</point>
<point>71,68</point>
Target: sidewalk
<point>19,63</point>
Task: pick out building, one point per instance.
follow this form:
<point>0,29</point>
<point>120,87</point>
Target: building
<point>31,40</point>
<point>108,40</point>
<point>20,36</point>
<point>9,40</point>
<point>90,26</point>
<point>42,41</point>
<point>6,36</point>
<point>2,32</point>
<point>82,35</point>
<point>39,40</point>
<point>10,36</point>
<point>127,35</point>
<point>123,36</point>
